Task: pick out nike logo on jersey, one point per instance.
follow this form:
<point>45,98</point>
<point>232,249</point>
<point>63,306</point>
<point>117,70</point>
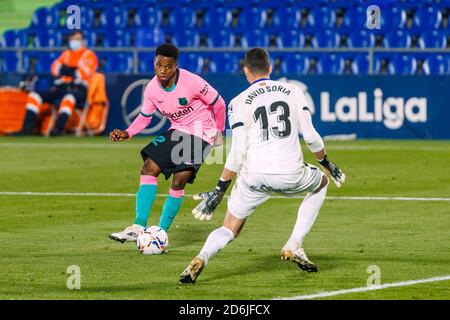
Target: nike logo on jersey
<point>160,101</point>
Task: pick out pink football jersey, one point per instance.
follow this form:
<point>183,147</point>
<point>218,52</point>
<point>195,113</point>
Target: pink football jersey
<point>191,105</point>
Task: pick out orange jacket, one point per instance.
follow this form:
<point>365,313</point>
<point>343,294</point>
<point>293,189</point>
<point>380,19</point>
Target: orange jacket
<point>84,60</point>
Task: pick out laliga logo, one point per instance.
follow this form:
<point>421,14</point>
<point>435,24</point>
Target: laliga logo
<point>391,111</point>
<point>128,116</point>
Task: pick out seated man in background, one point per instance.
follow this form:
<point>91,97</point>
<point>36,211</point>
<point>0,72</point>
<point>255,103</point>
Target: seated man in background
<point>72,71</point>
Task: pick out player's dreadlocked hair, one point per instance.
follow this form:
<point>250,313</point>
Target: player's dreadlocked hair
<point>167,50</point>
<point>257,60</point>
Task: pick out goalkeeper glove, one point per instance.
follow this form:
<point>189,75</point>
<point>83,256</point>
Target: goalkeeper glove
<point>210,201</point>
<point>331,169</point>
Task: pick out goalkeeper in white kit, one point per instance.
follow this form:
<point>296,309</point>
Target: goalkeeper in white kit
<point>265,120</point>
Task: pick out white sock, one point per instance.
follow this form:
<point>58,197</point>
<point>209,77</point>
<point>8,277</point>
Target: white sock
<point>307,214</point>
<point>217,240</point>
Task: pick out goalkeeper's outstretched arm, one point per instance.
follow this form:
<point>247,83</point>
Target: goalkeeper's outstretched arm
<point>315,144</point>
<point>211,200</point>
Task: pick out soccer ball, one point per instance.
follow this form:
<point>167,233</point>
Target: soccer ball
<point>152,240</point>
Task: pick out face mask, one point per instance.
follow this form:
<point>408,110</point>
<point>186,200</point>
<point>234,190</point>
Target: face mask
<point>75,44</point>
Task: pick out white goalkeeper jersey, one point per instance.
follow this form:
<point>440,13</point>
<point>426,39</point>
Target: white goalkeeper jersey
<point>267,119</point>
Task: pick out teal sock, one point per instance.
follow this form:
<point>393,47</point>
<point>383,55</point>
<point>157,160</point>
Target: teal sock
<point>170,210</point>
<point>144,201</point>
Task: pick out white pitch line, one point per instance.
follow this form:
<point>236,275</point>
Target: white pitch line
<point>101,194</point>
<point>365,289</point>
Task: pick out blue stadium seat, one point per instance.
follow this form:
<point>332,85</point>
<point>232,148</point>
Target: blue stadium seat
<point>206,63</point>
<point>145,63</point>
<point>256,38</point>
<point>292,39</point>
<point>361,39</point>
<point>183,17</point>
<point>360,64</point>
<point>44,18</point>
<point>187,38</point>
<point>14,38</point>
<point>278,62</point>
<point>111,62</point>
<point>331,64</point>
<point>252,17</point>
<point>108,38</point>
<point>149,37</point>
<point>286,16</point>
<point>393,18</point>
<point>219,38</point>
<point>397,39</point>
<point>217,18</point>
<point>38,61</point>
<point>8,61</point>
<point>322,17</point>
<point>355,18</point>
<point>402,64</point>
<point>228,62</point>
<point>437,64</point>
<point>428,18</point>
<point>191,61</point>
<point>297,63</point>
<point>325,39</point>
<point>433,39</point>
<point>114,17</point>
<point>149,17</point>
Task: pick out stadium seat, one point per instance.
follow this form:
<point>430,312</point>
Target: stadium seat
<point>149,17</point>
<point>361,39</point>
<point>393,18</point>
<point>255,38</point>
<point>331,64</point>
<point>145,63</point>
<point>296,63</point>
<point>118,62</point>
<point>114,17</point>
<point>428,18</point>
<point>184,16</point>
<point>252,18</point>
<point>38,61</point>
<point>44,19</point>
<point>217,39</point>
<point>361,65</point>
<point>322,18</point>
<point>8,61</point>
<point>286,16</point>
<point>148,37</point>
<point>291,39</point>
<point>325,39</point>
<point>433,39</point>
<point>397,39</point>
<point>436,65</point>
<point>217,18</point>
<point>228,62</point>
<point>191,61</point>
<point>355,18</point>
<point>14,38</point>
<point>187,38</point>
<point>402,64</point>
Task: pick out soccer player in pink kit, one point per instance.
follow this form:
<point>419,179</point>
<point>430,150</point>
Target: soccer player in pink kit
<point>197,115</point>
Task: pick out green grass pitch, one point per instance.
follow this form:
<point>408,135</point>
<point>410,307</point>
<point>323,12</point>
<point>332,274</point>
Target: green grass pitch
<point>40,236</point>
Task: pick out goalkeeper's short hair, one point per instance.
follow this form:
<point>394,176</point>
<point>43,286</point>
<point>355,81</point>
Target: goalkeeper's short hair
<point>257,61</point>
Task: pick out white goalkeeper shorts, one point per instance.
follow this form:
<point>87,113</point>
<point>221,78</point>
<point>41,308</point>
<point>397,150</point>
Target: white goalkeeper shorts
<point>253,189</point>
